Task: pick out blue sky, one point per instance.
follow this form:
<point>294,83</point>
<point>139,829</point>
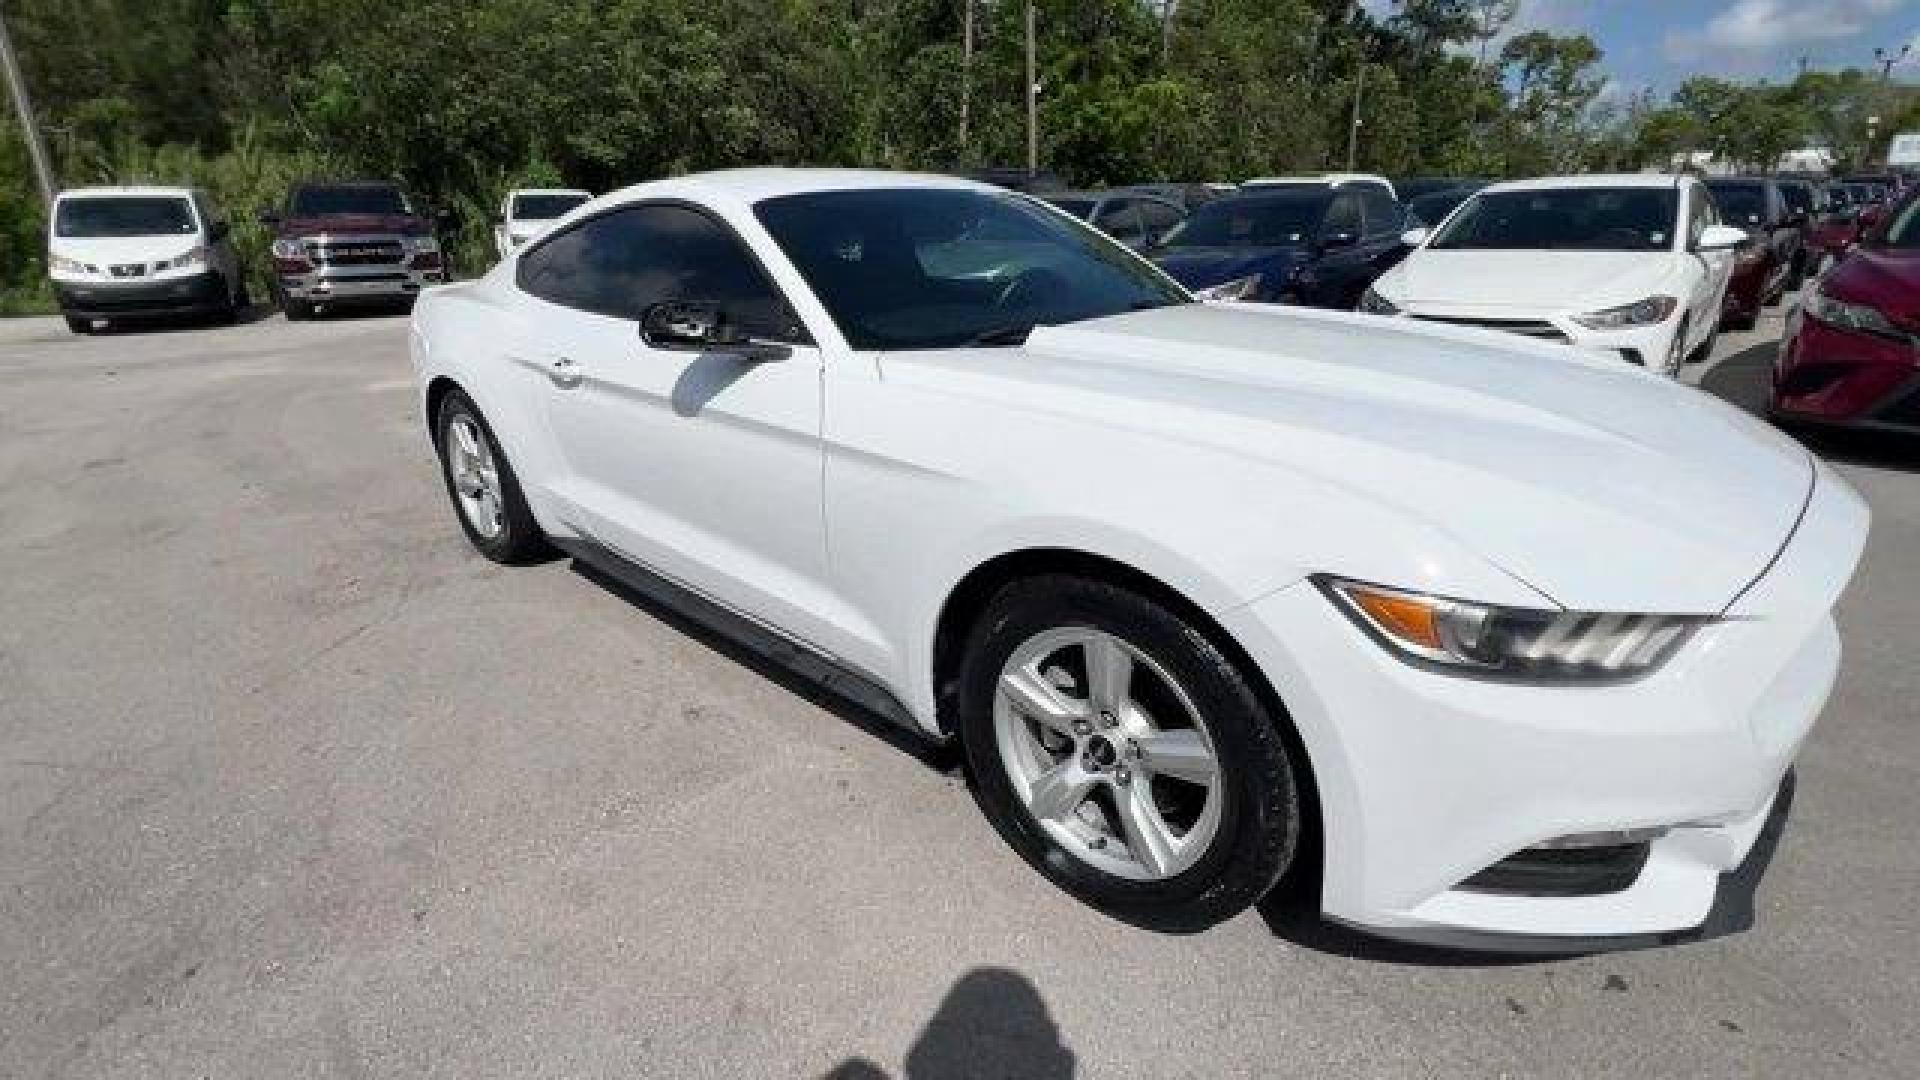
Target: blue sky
<point>1658,43</point>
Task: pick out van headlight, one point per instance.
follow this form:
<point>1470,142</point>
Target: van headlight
<point>1654,309</point>
<point>1373,303</point>
<point>193,256</point>
<point>1237,289</point>
<point>60,264</point>
<point>1514,644</point>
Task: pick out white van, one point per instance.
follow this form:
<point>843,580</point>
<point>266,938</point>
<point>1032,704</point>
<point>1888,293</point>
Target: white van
<point>134,252</point>
<point>526,211</point>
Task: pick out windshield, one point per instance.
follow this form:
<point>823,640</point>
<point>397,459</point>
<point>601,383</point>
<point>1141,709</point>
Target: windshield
<point>1246,221</point>
<point>544,207</point>
<point>124,215</point>
<point>1904,231</point>
<point>1080,208</point>
<point>923,268</point>
<point>1583,219</point>
<point>347,199</point>
<point>1740,204</point>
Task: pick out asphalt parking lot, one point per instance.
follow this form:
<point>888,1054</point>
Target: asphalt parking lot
<point>292,784</point>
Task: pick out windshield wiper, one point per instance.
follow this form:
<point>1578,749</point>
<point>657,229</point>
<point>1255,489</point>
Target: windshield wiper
<point>1014,333</point>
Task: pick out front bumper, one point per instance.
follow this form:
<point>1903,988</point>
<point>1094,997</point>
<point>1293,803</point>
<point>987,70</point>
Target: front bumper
<point>1841,377</point>
<point>1425,780</point>
<point>193,294</point>
<point>1642,345</point>
<point>324,285</point>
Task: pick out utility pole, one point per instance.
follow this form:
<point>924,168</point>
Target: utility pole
<point>29,126</point>
<point>1886,58</point>
<point>1033,101</point>
<point>1353,125</point>
<point>1166,29</point>
<point>966,75</point>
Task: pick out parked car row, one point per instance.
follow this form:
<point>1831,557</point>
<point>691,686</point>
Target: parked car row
<point>140,252</point>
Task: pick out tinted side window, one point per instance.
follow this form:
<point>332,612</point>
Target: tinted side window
<point>1342,217</point>
<point>623,262</point>
<point>1158,217</point>
<point>1382,212</point>
<point>1120,219</point>
<point>1701,214</point>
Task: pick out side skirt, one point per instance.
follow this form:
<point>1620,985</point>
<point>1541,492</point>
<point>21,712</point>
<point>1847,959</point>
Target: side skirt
<point>795,664</point>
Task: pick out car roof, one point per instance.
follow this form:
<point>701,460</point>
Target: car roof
<point>550,191</point>
<point>1592,180</point>
<point>1328,179</point>
<point>127,191</point>
<point>747,186</point>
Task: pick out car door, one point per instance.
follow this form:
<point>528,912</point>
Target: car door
<point>703,466</point>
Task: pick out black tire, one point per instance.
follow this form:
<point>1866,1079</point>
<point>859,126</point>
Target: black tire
<point>296,310</point>
<point>1260,822</point>
<point>79,326</point>
<point>520,540</point>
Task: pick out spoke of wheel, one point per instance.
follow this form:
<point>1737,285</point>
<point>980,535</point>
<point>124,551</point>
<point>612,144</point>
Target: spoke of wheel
<point>463,434</point>
<point>489,510</point>
<point>1034,696</point>
<point>1179,753</point>
<point>1146,837</point>
<point>1109,674</point>
<point>1060,790</point>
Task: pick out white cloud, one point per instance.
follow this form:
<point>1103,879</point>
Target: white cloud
<point>1748,27</point>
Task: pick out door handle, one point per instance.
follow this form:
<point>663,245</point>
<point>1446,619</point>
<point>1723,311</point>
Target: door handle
<point>565,373</point>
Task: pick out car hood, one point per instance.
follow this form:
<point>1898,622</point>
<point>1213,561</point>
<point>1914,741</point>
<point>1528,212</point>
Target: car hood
<point>1885,278</point>
<point>1603,487</point>
<point>1525,282</point>
<point>104,251</point>
<point>1204,267</point>
<point>344,224</point>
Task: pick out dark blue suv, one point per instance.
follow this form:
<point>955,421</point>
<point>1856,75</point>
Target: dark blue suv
<point>1307,242</point>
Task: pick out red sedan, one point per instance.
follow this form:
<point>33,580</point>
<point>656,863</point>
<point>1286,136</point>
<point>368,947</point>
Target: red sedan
<point>1852,350</point>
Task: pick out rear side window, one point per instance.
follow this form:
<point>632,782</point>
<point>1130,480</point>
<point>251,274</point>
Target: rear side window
<point>622,262</point>
<point>1382,212</point>
<point>1158,217</point>
<point>124,216</point>
<point>1343,216</point>
<point>1120,219</point>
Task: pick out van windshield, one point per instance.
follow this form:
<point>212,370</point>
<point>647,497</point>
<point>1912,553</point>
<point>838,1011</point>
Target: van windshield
<point>124,215</point>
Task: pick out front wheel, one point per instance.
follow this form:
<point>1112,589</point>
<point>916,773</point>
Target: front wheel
<point>1124,756</point>
<point>79,325</point>
<point>486,493</point>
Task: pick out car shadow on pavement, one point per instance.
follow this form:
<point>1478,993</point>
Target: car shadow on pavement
<point>992,1023</point>
<point>773,658</point>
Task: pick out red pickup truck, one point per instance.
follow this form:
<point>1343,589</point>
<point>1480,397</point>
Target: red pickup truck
<point>350,243</point>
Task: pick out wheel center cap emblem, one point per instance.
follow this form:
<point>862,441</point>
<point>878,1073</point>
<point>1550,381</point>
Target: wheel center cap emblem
<point>1101,755</point>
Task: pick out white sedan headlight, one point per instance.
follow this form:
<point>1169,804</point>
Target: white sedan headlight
<point>1654,309</point>
<point>1373,303</point>
<point>1237,289</point>
<point>1858,317</point>
<point>1514,644</point>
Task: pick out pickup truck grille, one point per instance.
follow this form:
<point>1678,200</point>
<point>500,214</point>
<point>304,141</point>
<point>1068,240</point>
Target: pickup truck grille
<point>1533,328</point>
<point>356,253</point>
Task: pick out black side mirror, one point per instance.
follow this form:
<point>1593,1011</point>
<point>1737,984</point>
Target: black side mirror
<point>688,326</point>
<point>269,217</point>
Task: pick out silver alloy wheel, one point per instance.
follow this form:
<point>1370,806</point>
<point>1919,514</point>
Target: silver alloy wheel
<point>476,481</point>
<point>1129,786</point>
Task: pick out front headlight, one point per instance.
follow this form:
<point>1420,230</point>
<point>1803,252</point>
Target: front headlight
<point>193,256</point>
<point>1516,644</point>
<point>425,245</point>
<point>1654,309</point>
<point>1858,317</point>
<point>1373,303</point>
<point>289,248</point>
<point>60,264</point>
<point>1237,289</point>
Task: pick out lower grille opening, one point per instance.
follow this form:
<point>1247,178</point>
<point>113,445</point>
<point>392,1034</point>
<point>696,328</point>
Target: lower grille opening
<point>1574,871</point>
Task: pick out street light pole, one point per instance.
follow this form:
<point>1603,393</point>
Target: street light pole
<point>29,126</point>
<point>1353,124</point>
<point>966,75</point>
<point>1033,102</point>
<point>1886,58</point>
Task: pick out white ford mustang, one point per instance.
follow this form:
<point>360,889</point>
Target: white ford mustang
<point>1493,638</point>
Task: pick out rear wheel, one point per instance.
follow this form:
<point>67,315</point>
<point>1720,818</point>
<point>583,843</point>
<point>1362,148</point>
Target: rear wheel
<point>79,325</point>
<point>296,310</point>
<point>1124,756</point>
<point>486,493</point>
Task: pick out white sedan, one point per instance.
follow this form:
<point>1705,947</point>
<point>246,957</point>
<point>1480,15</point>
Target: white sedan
<point>1632,266</point>
<point>1488,646</point>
